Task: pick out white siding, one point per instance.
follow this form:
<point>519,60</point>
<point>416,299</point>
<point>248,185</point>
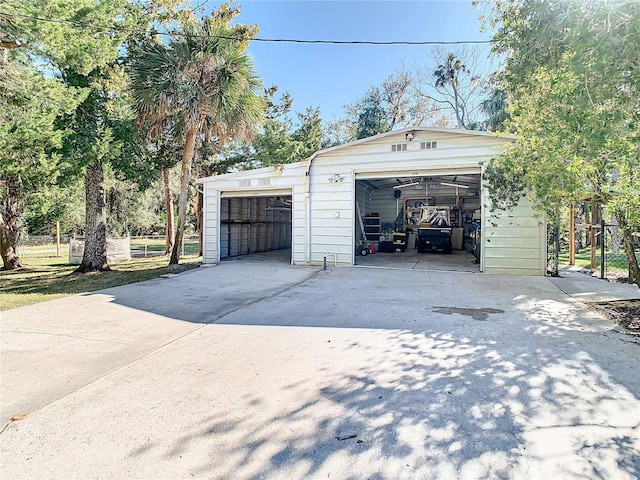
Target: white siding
<point>324,220</point>
<point>332,210</point>
<point>252,183</point>
<point>513,241</point>
<point>334,227</point>
<point>210,253</point>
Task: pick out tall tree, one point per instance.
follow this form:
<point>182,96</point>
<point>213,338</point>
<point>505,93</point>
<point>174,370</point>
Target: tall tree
<point>309,132</point>
<point>280,140</point>
<point>29,140</point>
<point>392,104</point>
<point>453,86</point>
<point>77,56</point>
<point>369,114</point>
<point>103,134</point>
<point>448,74</point>
<point>495,108</point>
<point>573,77</point>
<point>201,81</point>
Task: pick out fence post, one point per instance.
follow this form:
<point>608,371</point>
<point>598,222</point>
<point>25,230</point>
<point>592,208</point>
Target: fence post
<point>58,238</point>
<point>602,248</point>
<point>556,253</point>
<point>572,234</point>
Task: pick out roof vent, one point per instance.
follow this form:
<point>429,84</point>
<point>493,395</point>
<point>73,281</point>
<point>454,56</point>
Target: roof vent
<point>399,147</point>
<point>428,145</point>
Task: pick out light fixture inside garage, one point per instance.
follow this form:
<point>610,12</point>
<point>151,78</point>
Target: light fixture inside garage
<point>406,185</point>
<point>457,185</point>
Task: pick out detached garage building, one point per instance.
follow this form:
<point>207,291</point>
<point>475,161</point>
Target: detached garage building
<point>359,194</point>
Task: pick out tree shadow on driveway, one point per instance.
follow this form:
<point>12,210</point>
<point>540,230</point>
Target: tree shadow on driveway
<point>434,404</point>
<point>537,388</point>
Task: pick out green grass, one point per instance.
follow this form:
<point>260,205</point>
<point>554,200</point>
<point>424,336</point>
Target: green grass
<point>582,259</point>
<point>617,261</point>
<point>46,277</point>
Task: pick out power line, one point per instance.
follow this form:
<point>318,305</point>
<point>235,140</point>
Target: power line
<point>264,40</point>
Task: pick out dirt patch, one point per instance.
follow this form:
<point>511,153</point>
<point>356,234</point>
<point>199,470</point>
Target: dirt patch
<point>624,312</point>
<point>480,314</point>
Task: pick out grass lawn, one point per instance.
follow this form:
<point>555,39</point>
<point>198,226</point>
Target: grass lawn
<point>46,276</point>
<point>582,259</point>
<point>616,263</point>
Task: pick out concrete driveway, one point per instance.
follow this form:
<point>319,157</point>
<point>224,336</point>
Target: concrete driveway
<point>255,370</point>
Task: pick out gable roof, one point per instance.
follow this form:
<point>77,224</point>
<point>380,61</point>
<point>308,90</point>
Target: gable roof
<point>404,131</point>
<point>401,132</point>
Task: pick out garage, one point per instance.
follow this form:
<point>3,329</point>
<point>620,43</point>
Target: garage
<point>421,222</point>
<point>254,224</point>
<point>413,198</point>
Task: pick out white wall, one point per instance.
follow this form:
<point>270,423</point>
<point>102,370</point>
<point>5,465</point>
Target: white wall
<point>261,182</point>
<point>514,241</point>
<point>333,226</point>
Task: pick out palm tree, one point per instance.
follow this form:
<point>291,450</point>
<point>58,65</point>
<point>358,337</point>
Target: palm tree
<point>447,74</point>
<point>199,82</point>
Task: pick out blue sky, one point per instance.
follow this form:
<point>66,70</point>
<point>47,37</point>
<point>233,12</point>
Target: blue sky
<point>329,76</point>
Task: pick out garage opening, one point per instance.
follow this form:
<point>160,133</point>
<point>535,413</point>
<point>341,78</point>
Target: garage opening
<point>419,221</point>
<point>257,224</point>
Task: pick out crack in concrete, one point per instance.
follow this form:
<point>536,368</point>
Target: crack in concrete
<point>65,335</point>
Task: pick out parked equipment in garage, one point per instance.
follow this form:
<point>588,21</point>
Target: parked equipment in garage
<point>434,229</point>
<point>399,241</point>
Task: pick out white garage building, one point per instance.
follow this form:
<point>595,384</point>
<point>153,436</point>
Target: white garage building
<point>361,193</point>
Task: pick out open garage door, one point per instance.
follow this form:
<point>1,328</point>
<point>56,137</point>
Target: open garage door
<point>256,222</point>
<point>420,221</point>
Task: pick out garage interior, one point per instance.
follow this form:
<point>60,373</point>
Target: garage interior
<point>250,225</point>
<point>428,222</point>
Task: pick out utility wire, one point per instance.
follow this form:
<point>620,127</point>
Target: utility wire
<point>264,40</point>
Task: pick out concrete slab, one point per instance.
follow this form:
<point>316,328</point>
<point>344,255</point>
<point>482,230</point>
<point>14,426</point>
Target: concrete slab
<point>456,261</point>
<point>51,349</point>
<point>353,373</point>
<point>587,288</point>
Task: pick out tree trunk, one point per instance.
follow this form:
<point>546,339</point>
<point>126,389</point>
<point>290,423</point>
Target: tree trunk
<point>95,234</point>
<point>459,116</point>
<point>12,207</point>
<point>627,243</point>
<point>168,203</point>
<point>183,202</point>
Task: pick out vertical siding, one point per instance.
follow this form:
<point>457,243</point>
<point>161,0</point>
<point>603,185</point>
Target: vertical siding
<point>210,225</point>
<point>513,241</point>
<point>332,216</point>
<point>371,159</point>
<point>298,225</point>
<point>383,203</point>
<point>254,228</point>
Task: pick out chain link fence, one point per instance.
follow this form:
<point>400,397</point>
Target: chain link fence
<point>599,249</point>
<point>154,245</point>
<point>615,262</point>
<point>554,249</point>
